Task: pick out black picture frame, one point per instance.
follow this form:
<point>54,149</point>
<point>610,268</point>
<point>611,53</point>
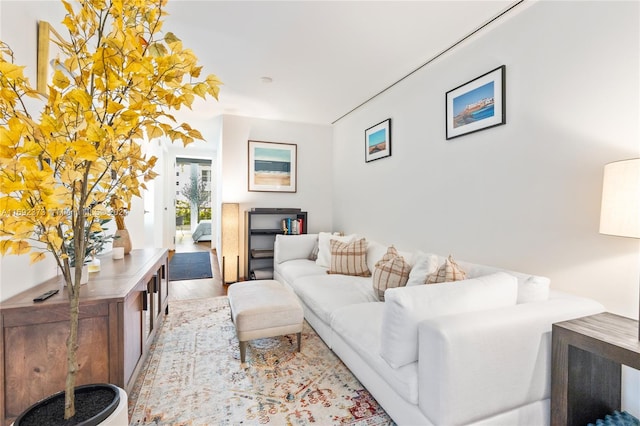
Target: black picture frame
<point>377,141</point>
<point>476,105</point>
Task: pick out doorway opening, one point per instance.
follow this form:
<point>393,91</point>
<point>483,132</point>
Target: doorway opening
<point>193,204</point>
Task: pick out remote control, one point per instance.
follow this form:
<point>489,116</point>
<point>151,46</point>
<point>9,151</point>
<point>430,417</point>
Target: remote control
<point>45,296</point>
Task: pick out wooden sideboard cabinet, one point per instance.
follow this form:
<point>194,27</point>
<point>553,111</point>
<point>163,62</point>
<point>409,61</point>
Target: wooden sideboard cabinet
<point>121,309</point>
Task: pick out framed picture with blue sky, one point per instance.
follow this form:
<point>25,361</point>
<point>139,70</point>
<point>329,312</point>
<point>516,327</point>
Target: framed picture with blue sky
<point>377,141</point>
<point>477,105</point>
<point>272,167</point>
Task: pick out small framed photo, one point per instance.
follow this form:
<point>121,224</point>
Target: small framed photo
<point>377,140</point>
<point>272,167</point>
<point>477,105</point>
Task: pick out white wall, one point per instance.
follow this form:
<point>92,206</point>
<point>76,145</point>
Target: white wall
<point>18,28</point>
<point>314,173</point>
<point>525,195</point>
<point>153,200</point>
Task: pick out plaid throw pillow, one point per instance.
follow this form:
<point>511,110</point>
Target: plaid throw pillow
<point>391,271</point>
<point>349,258</point>
<point>449,271</point>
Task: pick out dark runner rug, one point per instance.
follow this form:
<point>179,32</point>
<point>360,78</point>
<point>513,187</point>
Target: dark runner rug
<point>190,266</point>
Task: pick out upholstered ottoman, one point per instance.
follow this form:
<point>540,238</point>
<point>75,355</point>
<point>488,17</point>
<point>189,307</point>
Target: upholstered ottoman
<point>264,308</point>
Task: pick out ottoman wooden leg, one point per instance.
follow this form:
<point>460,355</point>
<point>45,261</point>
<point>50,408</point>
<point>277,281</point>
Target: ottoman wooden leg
<point>299,336</point>
<point>243,350</point>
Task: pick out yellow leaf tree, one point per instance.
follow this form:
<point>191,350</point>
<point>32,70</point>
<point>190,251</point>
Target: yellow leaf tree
<point>118,77</point>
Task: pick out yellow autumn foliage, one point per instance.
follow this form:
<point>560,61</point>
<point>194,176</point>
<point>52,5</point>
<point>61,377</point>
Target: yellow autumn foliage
<point>117,79</point>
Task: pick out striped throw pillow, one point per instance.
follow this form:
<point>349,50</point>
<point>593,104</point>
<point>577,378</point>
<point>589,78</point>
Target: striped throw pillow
<point>449,271</point>
<point>390,271</point>
<point>349,258</point>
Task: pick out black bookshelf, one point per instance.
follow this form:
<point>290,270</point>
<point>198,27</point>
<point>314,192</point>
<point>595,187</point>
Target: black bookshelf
<point>261,227</point>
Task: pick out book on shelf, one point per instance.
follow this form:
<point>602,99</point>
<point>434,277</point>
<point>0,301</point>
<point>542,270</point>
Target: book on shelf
<point>292,226</point>
<point>261,253</point>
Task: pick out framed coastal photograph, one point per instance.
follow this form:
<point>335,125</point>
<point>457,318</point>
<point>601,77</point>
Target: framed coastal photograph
<point>272,166</point>
<point>377,141</point>
<point>477,105</point>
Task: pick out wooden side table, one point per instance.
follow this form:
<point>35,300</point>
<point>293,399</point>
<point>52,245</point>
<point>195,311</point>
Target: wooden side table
<point>587,354</point>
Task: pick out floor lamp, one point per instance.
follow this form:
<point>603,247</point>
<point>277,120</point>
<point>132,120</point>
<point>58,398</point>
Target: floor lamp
<point>620,213</point>
<point>230,242</point>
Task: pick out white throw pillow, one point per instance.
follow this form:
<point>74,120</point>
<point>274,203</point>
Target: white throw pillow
<point>296,246</point>
<point>533,289</point>
<point>423,265</point>
<point>324,246</point>
<point>406,307</point>
<point>375,251</point>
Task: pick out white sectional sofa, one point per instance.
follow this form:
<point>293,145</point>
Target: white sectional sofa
<point>476,351</point>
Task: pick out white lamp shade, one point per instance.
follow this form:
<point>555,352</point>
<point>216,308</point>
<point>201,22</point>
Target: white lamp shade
<point>230,241</point>
<point>620,213</point>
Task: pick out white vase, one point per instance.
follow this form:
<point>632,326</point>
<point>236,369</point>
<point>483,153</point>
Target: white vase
<point>84,279</point>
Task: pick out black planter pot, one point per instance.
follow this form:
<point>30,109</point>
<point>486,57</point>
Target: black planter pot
<point>94,403</point>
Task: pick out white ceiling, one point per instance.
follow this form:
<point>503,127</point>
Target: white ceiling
<point>325,57</point>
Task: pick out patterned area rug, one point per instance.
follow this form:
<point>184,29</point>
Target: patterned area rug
<point>193,376</point>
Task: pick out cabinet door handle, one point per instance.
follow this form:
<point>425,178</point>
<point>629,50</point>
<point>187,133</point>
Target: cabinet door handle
<point>144,300</point>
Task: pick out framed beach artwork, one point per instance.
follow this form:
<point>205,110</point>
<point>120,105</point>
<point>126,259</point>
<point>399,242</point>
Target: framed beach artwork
<point>477,105</point>
<point>272,167</point>
<point>377,140</point>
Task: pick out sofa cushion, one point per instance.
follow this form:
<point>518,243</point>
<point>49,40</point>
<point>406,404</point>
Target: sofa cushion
<point>323,294</point>
<point>423,264</point>
<point>289,247</point>
<point>449,271</point>
<point>389,272</point>
<point>349,258</point>
<point>360,327</point>
<point>405,307</point>
<point>324,246</point>
<point>294,269</point>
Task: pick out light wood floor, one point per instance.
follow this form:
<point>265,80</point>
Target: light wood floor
<point>196,289</point>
